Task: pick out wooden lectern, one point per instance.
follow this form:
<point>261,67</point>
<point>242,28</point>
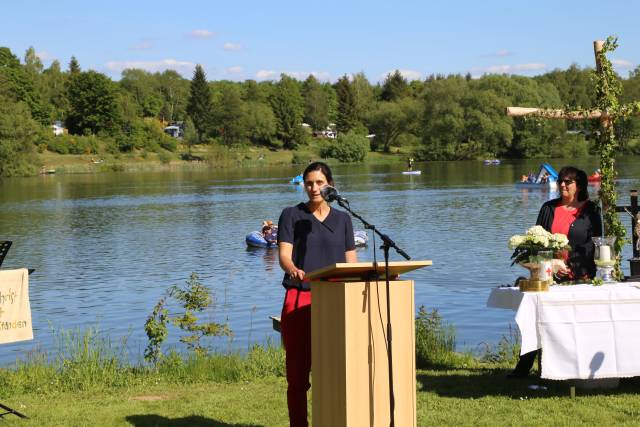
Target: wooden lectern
<point>349,365</point>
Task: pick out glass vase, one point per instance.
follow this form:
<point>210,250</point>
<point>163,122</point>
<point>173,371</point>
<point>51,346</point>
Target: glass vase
<point>604,257</point>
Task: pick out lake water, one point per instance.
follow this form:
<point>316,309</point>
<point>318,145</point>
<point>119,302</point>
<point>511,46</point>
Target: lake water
<point>106,247</point>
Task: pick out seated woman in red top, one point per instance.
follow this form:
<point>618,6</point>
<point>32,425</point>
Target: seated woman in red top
<point>577,217</point>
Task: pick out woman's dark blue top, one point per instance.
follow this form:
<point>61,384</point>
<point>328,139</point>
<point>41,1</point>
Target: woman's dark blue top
<point>316,243</point>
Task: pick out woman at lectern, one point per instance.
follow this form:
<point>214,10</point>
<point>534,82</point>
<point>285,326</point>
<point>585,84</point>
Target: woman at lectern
<point>578,218</point>
<point>311,235</point>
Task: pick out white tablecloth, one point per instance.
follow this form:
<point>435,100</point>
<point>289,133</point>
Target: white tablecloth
<point>585,331</point>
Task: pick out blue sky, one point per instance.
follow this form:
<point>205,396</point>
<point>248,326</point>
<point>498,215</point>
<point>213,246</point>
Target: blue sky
<point>240,40</point>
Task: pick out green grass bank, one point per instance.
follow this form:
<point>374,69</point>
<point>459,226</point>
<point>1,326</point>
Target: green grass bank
<point>86,381</point>
<point>204,156</point>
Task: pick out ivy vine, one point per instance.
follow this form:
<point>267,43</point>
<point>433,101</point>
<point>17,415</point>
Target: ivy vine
<point>608,88</point>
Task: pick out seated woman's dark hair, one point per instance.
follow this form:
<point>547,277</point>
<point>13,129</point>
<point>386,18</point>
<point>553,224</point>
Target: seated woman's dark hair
<point>319,166</point>
<point>579,176</point>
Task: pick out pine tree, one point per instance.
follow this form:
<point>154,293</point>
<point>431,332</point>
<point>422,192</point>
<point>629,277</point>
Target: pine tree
<point>199,106</point>
<point>287,107</point>
<point>395,87</point>
<point>347,110</point>
<point>74,66</point>
<point>316,106</point>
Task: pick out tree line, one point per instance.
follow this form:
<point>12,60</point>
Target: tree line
<point>440,118</point>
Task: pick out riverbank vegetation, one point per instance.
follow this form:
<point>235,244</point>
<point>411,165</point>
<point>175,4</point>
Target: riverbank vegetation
<point>122,122</point>
<point>86,379</point>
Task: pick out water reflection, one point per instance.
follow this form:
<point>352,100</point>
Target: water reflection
<point>106,247</point>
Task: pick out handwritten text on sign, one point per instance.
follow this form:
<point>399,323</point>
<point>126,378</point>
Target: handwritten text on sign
<point>15,310</point>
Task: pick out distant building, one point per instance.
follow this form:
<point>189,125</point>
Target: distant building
<point>328,133</point>
<point>58,128</point>
<point>175,130</point>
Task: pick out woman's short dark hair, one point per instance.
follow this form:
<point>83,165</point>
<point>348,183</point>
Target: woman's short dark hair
<point>579,176</point>
<point>318,166</point>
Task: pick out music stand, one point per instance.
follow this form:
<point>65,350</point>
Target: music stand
<point>11,411</point>
<point>5,245</point>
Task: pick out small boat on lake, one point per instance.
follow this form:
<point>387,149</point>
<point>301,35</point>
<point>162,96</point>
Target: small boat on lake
<point>490,162</point>
<point>411,172</point>
<point>255,239</point>
<point>298,180</point>
<point>545,179</point>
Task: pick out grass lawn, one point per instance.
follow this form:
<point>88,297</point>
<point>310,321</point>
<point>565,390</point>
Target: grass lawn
<point>451,397</point>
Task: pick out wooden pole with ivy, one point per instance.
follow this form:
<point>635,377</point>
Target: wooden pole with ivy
<point>608,111</point>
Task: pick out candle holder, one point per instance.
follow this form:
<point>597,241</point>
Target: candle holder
<point>605,258</point>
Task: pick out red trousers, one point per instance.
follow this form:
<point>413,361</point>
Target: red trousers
<point>296,335</point>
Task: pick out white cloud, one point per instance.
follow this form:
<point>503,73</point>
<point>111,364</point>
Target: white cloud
<point>202,34</point>
<point>44,55</point>
<point>407,74</point>
<point>183,67</point>
<point>302,75</point>
<point>234,70</point>
<point>267,74</point>
<point>298,75</point>
<point>622,63</point>
<point>231,47</point>
<point>508,69</point>
<point>499,53</point>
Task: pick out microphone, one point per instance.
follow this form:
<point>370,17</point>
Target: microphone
<point>330,194</point>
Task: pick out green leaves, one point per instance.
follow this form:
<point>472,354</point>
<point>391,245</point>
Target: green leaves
<point>193,298</point>
<point>93,104</point>
<point>199,106</point>
<point>608,88</point>
<point>286,103</point>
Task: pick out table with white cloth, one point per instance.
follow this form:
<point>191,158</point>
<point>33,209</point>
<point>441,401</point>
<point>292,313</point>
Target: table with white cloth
<point>585,331</point>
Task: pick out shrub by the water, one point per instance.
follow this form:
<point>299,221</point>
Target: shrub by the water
<point>435,339</point>
<point>193,298</point>
<point>71,144</point>
<point>348,148</point>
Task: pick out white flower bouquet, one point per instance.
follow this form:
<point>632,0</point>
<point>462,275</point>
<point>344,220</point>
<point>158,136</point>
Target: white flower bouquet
<point>528,248</point>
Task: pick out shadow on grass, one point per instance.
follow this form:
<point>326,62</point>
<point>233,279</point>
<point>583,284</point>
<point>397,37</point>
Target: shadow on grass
<point>151,420</point>
<point>474,384</point>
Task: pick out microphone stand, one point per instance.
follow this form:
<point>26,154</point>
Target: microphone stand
<point>387,244</point>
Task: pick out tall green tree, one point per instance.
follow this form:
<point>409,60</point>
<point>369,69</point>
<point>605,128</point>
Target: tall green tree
<point>230,116</point>
<point>18,84</point>
<point>93,104</point>
<point>316,105</point>
<point>54,82</point>
<point>286,103</point>
<point>74,66</point>
<point>364,96</point>
<point>443,118</point>
<point>347,118</point>
<point>18,135</point>
<point>142,86</point>
<point>261,123</point>
<point>175,93</point>
<point>395,87</point>
<point>391,119</point>
<point>32,62</point>
<point>199,105</point>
